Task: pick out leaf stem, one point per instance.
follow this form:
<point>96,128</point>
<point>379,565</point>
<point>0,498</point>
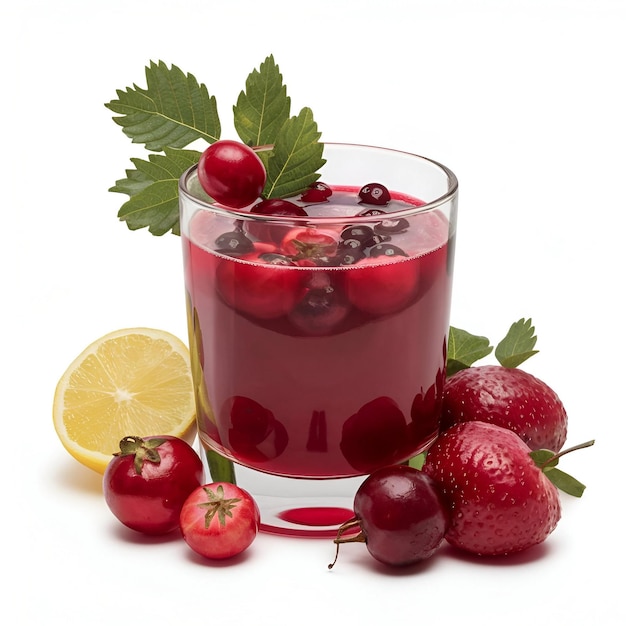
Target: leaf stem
<point>553,458</point>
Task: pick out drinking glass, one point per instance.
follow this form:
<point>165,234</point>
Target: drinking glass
<point>318,342</point>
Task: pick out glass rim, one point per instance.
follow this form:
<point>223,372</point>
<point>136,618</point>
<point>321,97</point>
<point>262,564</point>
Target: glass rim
<point>243,214</point>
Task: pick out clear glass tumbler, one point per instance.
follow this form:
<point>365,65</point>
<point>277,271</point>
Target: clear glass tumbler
<point>319,342</point>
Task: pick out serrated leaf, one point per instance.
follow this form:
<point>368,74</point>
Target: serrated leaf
<point>173,111</point>
<point>464,349</point>
<point>566,483</point>
<point>518,345</point>
<point>263,107</point>
<point>153,204</point>
<point>297,155</point>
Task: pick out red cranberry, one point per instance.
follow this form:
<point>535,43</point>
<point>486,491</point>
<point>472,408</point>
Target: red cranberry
<point>317,192</point>
<point>273,207</point>
<point>374,193</point>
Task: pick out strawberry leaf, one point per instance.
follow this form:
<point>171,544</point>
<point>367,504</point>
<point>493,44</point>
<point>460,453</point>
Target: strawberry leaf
<point>153,191</point>
<point>297,155</point>
<point>518,344</point>
<point>464,349</point>
<point>263,107</point>
<point>173,111</point>
<point>566,483</point>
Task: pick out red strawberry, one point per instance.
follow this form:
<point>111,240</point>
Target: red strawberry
<point>507,397</point>
<point>500,501</point>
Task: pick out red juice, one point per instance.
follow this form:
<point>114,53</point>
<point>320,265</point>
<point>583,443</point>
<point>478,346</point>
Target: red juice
<point>315,356</point>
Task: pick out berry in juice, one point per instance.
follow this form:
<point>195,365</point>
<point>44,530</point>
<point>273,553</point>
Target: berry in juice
<point>319,350</point>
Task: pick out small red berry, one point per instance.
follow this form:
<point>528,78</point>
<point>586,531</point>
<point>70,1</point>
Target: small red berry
<point>374,193</point>
<point>231,173</point>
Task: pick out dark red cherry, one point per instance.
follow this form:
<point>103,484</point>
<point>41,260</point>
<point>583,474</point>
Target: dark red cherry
<point>371,213</point>
<point>374,193</point>
<point>360,233</point>
<point>317,192</point>
<point>401,514</point>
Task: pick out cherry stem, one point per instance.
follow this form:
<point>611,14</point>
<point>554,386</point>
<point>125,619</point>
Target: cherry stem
<point>339,539</point>
<point>580,446</point>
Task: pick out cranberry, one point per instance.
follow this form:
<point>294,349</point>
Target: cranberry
<point>231,173</point>
<point>360,233</point>
<point>259,287</point>
<point>320,311</point>
<point>386,249</point>
<point>276,207</point>
<point>391,226</point>
<point>349,252</point>
<point>234,242</point>
<point>380,288</point>
<point>374,193</point>
<point>317,192</point>
<point>371,213</point>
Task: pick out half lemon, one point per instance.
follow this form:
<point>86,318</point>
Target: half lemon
<point>134,381</point>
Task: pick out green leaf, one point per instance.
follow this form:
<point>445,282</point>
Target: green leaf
<point>297,155</point>
<point>565,482</point>
<point>464,349</point>
<point>518,344</point>
<point>173,111</point>
<point>544,458</point>
<point>153,191</point>
<point>263,107</point>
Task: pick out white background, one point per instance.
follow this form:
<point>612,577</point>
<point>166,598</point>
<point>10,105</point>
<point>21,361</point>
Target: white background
<point>522,99</point>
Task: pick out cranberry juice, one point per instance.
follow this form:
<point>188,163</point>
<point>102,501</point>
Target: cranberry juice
<point>319,351</point>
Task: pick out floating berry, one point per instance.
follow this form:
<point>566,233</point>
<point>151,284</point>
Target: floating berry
<point>317,192</point>
<point>371,213</point>
<point>374,193</point>
<point>233,242</point>
<point>309,243</point>
<point>386,249</point>
<point>391,226</point>
<point>276,207</point>
<point>320,311</point>
<point>362,234</point>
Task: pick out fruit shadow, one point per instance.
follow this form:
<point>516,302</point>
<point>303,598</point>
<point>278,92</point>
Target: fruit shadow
<point>530,555</point>
<point>365,561</point>
<point>127,535</point>
<point>79,478</point>
<point>197,559</point>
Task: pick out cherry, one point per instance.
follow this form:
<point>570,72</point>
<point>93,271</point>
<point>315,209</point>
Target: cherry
<point>371,213</point>
<point>378,287</point>
<point>401,514</point>
<point>317,192</point>
<point>262,286</point>
<point>374,193</point>
<point>231,173</point>
<point>276,207</point>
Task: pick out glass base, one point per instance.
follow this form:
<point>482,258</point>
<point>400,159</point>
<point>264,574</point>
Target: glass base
<point>298,507</point>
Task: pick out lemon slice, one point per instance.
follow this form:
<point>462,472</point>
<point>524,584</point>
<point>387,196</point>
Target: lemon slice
<point>134,381</point>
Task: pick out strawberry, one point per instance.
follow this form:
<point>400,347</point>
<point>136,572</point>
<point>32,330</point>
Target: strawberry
<point>500,501</point>
<point>508,397</point>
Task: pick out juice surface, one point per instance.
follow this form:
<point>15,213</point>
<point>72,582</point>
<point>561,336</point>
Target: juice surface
<point>310,368</point>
